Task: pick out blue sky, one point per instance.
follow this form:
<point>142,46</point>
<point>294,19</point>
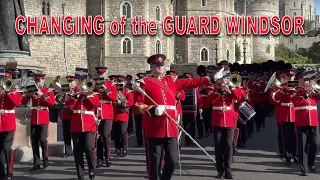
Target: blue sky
<point>317,4</point>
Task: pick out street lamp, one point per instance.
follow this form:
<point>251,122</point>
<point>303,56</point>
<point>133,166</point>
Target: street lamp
<point>245,44</point>
<point>216,42</point>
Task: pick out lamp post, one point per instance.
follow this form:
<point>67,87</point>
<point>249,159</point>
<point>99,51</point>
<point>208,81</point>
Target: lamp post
<point>216,42</point>
<point>245,44</point>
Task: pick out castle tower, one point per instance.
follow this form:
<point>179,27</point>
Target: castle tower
<point>263,45</point>
<point>202,49</point>
<point>303,8</point>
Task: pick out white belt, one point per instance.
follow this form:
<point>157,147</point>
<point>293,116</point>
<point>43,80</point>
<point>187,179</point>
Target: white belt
<point>39,108</point>
<point>83,112</point>
<point>307,108</point>
<point>3,111</point>
<point>105,102</point>
<point>169,107</point>
<point>221,108</point>
<point>286,104</point>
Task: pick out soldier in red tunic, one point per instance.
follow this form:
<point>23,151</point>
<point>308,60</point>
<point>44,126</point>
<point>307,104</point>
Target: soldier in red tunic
<point>83,130</point>
<point>9,100</point>
<point>138,115</point>
<point>66,114</point>
<point>160,131</point>
<point>223,123</point>
<point>286,114</point>
<point>108,95</point>
<point>41,99</point>
<point>121,116</point>
<point>306,114</point>
<point>205,106</point>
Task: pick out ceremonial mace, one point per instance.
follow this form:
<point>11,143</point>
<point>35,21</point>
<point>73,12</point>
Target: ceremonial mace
<point>136,87</point>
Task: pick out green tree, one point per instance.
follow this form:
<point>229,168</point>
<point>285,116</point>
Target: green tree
<point>290,56</point>
<point>314,52</point>
<point>303,52</point>
<point>237,52</point>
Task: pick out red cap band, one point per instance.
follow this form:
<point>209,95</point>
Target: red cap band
<point>157,60</point>
<point>8,75</point>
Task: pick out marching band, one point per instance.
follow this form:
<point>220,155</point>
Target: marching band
<point>227,100</point>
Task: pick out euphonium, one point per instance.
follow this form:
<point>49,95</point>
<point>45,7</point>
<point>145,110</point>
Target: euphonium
<point>6,83</point>
<point>235,80</point>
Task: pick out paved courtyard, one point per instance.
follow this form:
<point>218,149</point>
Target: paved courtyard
<point>259,161</point>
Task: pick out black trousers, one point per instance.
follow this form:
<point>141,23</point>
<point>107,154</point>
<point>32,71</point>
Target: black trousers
<point>67,136</point>
<point>260,115</point>
<point>243,134</point>
<point>121,135</point>
<point>104,140</point>
<point>6,161</point>
<point>84,142</point>
<point>307,146</point>
<point>280,139</point>
<point>205,122</point>
<point>289,139</point>
<point>250,126</point>
<point>130,122</point>
<point>189,124</point>
<point>155,146</point>
<point>138,123</point>
<point>223,147</point>
<point>39,134</point>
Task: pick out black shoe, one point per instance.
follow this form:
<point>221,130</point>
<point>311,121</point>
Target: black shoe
<point>161,171</point>
<point>220,174</point>
<point>139,145</point>
<point>304,173</point>
<point>235,151</point>
<point>8,177</point>
<point>67,155</point>
<point>122,153</point>
<point>80,178</point>
<point>250,136</point>
<point>243,146</point>
<point>108,162</point>
<point>45,163</point>
<point>118,153</point>
<point>125,153</point>
<point>281,155</point>
<point>312,169</point>
<point>99,164</point>
<point>228,175</point>
<point>295,159</point>
<point>207,134</point>
<point>35,167</point>
<point>91,174</point>
<point>200,137</point>
<point>258,129</point>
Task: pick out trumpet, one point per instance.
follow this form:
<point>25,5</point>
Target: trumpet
<point>6,84</point>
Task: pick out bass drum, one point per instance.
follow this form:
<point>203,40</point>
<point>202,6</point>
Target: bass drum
<point>190,102</point>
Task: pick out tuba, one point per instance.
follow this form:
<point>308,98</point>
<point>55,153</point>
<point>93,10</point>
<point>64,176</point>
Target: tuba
<point>6,84</point>
<point>235,80</point>
<point>273,81</point>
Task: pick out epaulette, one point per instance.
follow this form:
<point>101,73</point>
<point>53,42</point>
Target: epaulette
<point>174,78</point>
<point>141,80</point>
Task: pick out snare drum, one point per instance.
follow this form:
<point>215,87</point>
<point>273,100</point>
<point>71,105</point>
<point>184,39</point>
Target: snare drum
<point>246,112</point>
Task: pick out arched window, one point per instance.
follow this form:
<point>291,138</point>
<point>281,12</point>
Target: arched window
<point>268,49</point>
<point>48,8</point>
<point>228,55</point>
<point>126,9</point>
<point>44,8</point>
<point>204,55</point>
<point>158,47</point>
<point>203,3</point>
<point>157,13</point>
<point>294,14</point>
<point>126,44</point>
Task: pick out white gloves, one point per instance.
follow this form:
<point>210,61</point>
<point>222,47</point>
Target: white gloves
<point>218,75</point>
<point>159,110</point>
<point>200,111</point>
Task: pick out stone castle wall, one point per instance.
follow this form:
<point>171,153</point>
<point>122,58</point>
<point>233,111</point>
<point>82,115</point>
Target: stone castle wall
<point>49,50</point>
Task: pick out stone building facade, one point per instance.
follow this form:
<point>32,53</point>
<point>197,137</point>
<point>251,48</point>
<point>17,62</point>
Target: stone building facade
<point>59,54</point>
